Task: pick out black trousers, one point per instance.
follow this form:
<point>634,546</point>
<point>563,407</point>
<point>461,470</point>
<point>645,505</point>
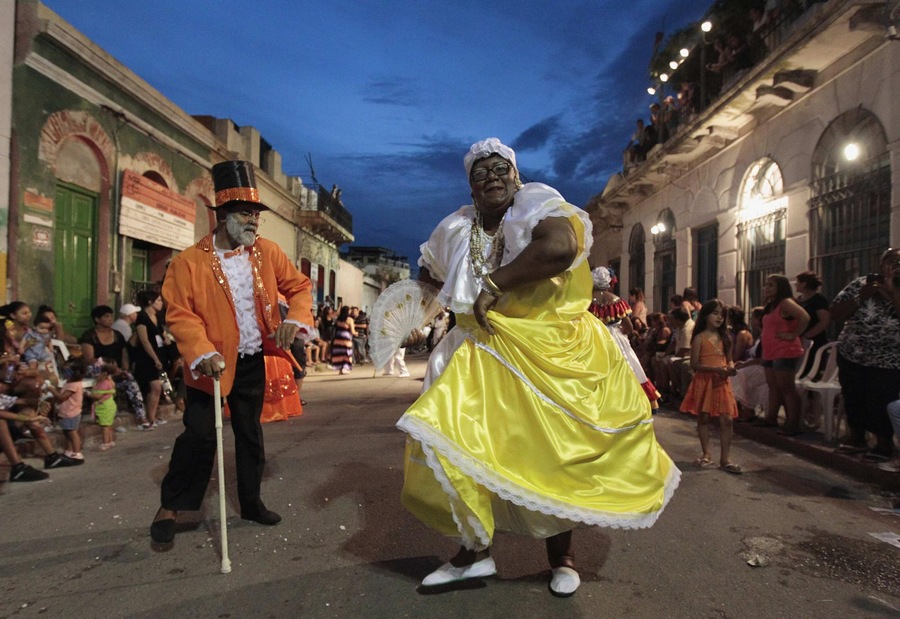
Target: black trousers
<point>195,449</point>
<point>867,391</point>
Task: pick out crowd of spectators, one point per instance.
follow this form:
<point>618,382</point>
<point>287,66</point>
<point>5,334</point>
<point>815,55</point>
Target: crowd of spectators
<point>52,379</point>
<point>769,350</point>
<point>343,338</point>
<point>48,377</point>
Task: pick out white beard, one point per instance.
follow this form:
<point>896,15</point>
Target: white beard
<point>243,233</point>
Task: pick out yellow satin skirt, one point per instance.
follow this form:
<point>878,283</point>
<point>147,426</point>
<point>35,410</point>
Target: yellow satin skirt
<point>536,429</point>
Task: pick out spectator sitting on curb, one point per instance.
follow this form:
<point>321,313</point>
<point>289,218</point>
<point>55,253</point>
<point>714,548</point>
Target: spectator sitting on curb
<point>672,369</point>
<point>128,314</point>
<point>34,349</point>
<point>104,343</point>
<point>19,471</point>
<point>21,408</point>
<point>57,332</point>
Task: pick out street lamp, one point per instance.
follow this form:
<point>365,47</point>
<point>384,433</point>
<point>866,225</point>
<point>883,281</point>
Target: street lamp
<point>658,228</point>
<point>705,27</point>
<point>852,151</point>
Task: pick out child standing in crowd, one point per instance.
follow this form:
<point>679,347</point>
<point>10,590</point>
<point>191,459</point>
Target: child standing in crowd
<point>35,345</point>
<point>69,402</point>
<point>709,394</point>
<point>105,403</point>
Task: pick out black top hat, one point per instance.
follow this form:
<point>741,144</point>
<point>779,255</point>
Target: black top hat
<point>235,183</point>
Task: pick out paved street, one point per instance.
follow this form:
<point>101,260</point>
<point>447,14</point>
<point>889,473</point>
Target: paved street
<point>78,545</point>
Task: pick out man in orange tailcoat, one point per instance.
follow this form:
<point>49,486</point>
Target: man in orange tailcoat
<point>222,297</point>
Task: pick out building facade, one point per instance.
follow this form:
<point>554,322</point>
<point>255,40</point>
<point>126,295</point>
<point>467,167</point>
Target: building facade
<point>108,179</point>
<point>793,165</point>
<point>7,47</point>
<point>383,265</point>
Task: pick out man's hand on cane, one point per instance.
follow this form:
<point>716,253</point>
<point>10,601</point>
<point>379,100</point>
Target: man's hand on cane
<point>212,366</point>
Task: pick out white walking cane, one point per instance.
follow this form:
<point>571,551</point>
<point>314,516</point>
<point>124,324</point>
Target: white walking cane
<point>223,525</point>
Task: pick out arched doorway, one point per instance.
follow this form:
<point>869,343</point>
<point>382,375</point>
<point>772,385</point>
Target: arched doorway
<point>850,208</point>
<point>76,203</point>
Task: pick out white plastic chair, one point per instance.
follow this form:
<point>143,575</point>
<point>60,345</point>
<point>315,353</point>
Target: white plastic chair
<point>803,380</point>
<point>812,417</point>
<point>828,390</point>
<point>800,375</point>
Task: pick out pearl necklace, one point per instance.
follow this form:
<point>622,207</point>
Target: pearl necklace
<point>478,242</point>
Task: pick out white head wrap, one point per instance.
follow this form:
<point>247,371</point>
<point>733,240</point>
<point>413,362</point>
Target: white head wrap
<point>486,148</point>
<point>601,278</point>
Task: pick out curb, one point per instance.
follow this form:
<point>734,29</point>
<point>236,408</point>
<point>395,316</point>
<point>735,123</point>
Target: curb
<point>812,447</point>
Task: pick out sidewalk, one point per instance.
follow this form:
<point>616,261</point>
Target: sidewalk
<point>810,446</point>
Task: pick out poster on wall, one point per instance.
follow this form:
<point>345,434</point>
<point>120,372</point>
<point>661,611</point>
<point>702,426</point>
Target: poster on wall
<point>151,212</point>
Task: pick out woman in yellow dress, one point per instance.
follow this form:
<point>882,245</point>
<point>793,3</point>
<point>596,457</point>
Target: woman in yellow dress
<point>531,420</point>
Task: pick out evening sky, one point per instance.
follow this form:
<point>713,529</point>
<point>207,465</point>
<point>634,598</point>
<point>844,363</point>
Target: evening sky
<point>387,96</point>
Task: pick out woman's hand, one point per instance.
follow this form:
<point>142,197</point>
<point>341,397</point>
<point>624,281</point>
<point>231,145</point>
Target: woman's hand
<point>416,337</point>
<point>869,290</point>
<point>483,304</point>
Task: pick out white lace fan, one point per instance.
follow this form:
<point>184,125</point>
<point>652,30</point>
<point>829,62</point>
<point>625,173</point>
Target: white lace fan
<point>403,307</point>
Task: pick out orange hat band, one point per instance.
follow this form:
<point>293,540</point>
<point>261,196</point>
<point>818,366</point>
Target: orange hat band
<point>242,194</point>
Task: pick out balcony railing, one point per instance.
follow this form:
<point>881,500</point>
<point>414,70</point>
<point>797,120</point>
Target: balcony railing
<point>331,206</point>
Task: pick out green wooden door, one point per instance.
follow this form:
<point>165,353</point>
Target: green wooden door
<point>75,275</point>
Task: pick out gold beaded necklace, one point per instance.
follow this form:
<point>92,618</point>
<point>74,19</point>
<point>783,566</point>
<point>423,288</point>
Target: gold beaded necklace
<point>478,242</point>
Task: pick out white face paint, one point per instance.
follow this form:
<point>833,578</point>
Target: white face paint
<point>241,229</point>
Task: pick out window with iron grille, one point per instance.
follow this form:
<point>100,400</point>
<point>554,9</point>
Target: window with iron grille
<point>850,216</point>
<point>850,207</point>
<point>664,261</point>
<point>761,230</point>
<point>762,248</point>
<point>706,261</point>
<point>636,258</point>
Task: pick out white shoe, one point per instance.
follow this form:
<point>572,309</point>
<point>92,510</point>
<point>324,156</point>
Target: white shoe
<point>387,373</point>
<point>447,573</point>
<point>404,374</point>
<point>891,467</point>
<point>565,582</point>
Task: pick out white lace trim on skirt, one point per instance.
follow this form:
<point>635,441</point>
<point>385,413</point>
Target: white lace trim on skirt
<point>509,491</point>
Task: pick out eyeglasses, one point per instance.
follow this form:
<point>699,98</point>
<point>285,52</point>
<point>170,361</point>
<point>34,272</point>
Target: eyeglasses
<point>499,169</point>
<point>254,214</point>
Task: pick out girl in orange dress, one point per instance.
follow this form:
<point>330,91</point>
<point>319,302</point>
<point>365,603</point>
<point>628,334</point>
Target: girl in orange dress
<point>710,393</point>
